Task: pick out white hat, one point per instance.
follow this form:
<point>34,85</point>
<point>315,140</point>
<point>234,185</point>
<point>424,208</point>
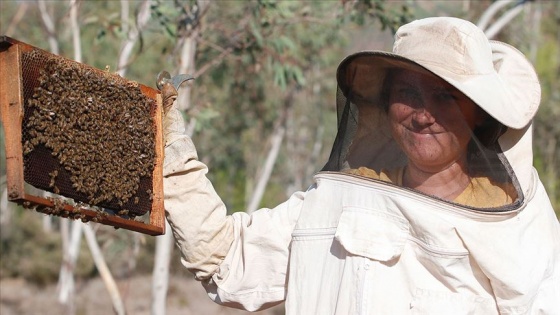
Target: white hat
<point>494,75</point>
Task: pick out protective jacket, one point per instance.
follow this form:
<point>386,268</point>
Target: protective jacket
<point>349,245</point>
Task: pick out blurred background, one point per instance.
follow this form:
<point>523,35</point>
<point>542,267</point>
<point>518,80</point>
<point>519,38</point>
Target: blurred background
<point>261,113</point>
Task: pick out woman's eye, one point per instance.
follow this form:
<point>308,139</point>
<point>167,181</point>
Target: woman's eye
<point>445,97</point>
<point>408,93</point>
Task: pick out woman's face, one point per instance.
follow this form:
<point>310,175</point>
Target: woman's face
<point>430,119</point>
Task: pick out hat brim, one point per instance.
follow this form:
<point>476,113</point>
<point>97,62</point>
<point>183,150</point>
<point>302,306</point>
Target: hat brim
<point>511,94</point>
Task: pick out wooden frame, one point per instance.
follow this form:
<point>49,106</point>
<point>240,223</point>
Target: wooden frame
<point>12,111</point>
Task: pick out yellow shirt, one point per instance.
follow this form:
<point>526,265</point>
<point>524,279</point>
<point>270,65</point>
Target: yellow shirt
<point>482,192</point>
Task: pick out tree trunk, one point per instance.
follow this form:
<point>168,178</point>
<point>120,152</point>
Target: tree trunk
<point>5,209</point>
<point>133,33</point>
<point>104,271</point>
<point>49,26</point>
<point>160,278</point>
<point>160,275</point>
<point>489,13</point>
<point>275,143</point>
<point>22,9</point>
<point>493,30</point>
<point>66,276</point>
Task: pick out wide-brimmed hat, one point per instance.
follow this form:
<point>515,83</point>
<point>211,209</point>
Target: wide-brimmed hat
<point>496,76</point>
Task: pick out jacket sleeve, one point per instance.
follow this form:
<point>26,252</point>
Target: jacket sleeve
<point>241,259</point>
<point>195,213</point>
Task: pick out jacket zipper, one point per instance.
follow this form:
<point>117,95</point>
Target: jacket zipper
<point>362,279</point>
<point>314,232</point>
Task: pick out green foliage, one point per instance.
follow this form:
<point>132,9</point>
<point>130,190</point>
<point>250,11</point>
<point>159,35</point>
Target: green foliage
<point>390,16</point>
<point>547,129</point>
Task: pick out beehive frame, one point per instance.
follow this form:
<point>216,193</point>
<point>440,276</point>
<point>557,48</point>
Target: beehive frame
<point>12,105</point>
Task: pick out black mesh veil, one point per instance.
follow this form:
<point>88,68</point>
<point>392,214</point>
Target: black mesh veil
<point>379,101</point>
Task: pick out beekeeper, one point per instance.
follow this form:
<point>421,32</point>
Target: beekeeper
<point>429,203</point>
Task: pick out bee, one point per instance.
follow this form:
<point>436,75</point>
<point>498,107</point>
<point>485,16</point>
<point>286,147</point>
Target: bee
<point>53,176</point>
<point>27,149</point>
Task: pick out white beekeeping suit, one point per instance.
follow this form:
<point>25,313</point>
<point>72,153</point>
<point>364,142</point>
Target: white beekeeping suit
<point>429,203</point>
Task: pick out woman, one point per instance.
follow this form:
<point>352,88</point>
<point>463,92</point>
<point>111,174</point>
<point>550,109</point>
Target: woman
<point>428,204</point>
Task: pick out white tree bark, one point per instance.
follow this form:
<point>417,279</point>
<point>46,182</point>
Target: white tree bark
<point>104,271</point>
<point>66,278</point>
<point>5,215</point>
<point>493,30</point>
<point>160,275</point>
<point>75,27</point>
<point>49,26</point>
<point>133,33</point>
<point>275,144</point>
<point>164,243</point>
<point>5,211</point>
<point>20,13</point>
<point>489,13</point>
<point>125,11</point>
<point>66,275</point>
<point>54,48</point>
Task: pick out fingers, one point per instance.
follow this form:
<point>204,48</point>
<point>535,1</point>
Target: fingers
<point>169,95</point>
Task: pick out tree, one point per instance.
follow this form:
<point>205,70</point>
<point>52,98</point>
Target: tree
<point>261,109</point>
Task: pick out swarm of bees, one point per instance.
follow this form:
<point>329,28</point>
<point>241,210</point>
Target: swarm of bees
<point>98,127</point>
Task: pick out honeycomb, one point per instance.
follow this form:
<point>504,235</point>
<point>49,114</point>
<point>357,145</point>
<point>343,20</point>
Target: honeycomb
<point>87,134</point>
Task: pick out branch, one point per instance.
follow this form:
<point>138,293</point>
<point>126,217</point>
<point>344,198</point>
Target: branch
<point>104,271</point>
<point>133,35</point>
<point>66,275</point>
<point>160,275</point>
<point>504,20</point>
<point>75,26</point>
<point>276,142</point>
<point>17,18</point>
<point>125,8</point>
<point>216,61</point>
<point>491,11</point>
<point>49,26</point>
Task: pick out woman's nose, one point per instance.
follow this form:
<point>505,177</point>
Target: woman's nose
<point>422,117</point>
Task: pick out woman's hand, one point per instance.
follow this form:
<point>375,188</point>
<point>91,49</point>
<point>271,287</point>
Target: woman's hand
<point>169,95</point>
